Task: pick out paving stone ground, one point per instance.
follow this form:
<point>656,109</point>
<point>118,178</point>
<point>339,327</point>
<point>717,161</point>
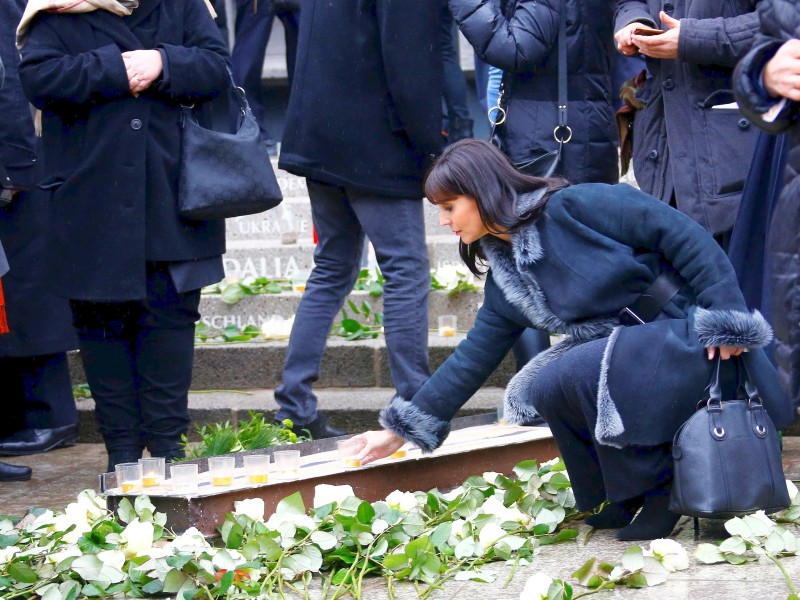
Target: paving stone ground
<point>61,474</point>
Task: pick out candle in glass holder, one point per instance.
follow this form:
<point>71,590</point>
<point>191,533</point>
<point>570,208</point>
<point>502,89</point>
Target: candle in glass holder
<point>348,451</point>
<point>257,467</point>
<point>300,280</point>
<point>287,464</point>
<point>501,414</point>
<point>401,453</point>
<point>129,477</point>
<point>153,469</point>
<point>183,478</point>
<point>221,470</point>
<point>447,325</point>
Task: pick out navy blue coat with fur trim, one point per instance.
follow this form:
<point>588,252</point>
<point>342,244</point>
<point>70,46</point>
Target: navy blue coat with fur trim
<point>595,249</point>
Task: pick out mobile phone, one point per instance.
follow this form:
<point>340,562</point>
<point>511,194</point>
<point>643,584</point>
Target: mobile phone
<point>647,31</point>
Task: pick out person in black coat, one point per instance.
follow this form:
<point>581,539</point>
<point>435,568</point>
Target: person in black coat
<point>40,408</point>
<point>521,38</point>
<point>364,120</point>
<point>110,89</point>
<point>767,90</point>
<point>692,146</point>
<point>582,260</point>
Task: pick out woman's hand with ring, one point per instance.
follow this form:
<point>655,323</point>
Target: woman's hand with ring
<point>725,352</point>
<point>379,444</point>
<point>143,68</point>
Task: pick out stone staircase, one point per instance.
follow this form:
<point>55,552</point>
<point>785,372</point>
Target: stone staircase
<point>231,378</point>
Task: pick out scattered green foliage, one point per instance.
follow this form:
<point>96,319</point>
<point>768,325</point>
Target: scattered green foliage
<point>370,325</point>
<point>254,434</point>
<point>81,391</point>
<point>230,333</point>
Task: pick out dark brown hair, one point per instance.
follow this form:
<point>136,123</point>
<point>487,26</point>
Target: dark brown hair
<point>480,171</point>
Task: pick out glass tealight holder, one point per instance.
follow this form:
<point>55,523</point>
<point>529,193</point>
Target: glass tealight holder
<point>501,414</point>
<point>348,451</point>
<point>221,470</point>
<point>257,467</point>
<point>300,280</point>
<point>183,478</point>
<point>287,464</point>
<point>129,477</point>
<point>153,470</point>
<point>399,453</point>
<point>447,325</point>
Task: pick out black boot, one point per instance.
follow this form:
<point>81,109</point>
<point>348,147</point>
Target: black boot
<point>318,429</point>
<point>459,129</point>
<point>654,521</point>
<point>14,473</point>
<point>615,514</point>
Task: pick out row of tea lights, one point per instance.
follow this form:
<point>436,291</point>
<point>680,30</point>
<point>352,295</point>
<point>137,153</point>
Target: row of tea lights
<point>133,478</point>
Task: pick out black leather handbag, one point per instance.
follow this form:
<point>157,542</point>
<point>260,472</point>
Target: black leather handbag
<point>547,164</point>
<point>727,457</point>
<point>223,174</point>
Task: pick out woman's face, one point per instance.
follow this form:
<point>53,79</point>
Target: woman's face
<point>461,215</point>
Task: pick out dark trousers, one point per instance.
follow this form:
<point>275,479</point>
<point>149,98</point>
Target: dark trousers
<point>253,29</point>
<point>396,229</point>
<point>138,360</point>
<point>454,83</point>
<point>37,393</point>
<point>565,394</point>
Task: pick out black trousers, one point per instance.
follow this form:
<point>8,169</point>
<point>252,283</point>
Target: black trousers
<point>138,360</point>
<point>36,393</point>
<point>565,394</point>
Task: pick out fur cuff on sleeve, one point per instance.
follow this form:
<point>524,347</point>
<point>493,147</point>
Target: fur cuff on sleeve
<point>405,419</point>
<point>732,328</point>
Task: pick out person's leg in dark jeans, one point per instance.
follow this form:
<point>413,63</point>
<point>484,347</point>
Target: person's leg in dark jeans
<point>106,333</point>
<point>253,28</point>
<point>164,356</point>
<point>337,262</point>
<point>459,125</point>
<point>396,229</point>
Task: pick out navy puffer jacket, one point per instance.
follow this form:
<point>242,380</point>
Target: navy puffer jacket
<point>521,37</point>
<point>780,22</point>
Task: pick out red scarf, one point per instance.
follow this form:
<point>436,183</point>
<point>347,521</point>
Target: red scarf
<point>3,320</point>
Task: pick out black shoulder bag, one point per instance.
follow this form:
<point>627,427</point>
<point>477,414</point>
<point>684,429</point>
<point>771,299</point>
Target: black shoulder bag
<point>225,175</point>
<point>728,457</point>
<point>547,164</point>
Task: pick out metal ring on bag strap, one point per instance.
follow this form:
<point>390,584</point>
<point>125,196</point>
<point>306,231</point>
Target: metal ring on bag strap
<point>569,136</point>
<point>718,432</point>
<point>499,109</point>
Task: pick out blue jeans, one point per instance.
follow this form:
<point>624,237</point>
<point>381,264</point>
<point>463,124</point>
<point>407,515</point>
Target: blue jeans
<point>396,229</point>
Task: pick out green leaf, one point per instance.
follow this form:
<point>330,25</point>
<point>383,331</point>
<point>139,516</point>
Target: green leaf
<point>22,573</point>
<point>633,559</point>
<point>736,559</point>
<point>226,581</point>
<point>586,572</point>
<point>291,505</point>
<point>395,562</point>
<point>512,495</point>
<point>365,513</point>
<point>235,536</point>
<point>733,544</point>
<point>465,548</point>
<point>525,469</point>
<point>178,561</point>
<point>441,534</point>
<point>8,540</point>
<point>91,590</point>
<point>709,554</point>
<point>636,580</point>
<point>125,511</point>
<point>150,588</point>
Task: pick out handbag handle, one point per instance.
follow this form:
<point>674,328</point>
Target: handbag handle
<point>562,128</point>
<point>744,381</point>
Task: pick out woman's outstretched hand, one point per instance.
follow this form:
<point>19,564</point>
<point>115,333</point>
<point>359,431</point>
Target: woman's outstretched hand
<point>143,68</point>
<point>725,352</point>
<point>378,444</point>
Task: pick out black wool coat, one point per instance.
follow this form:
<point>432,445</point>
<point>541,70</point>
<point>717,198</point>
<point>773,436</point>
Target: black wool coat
<point>521,37</point>
<point>780,22</point>
<point>365,109</point>
<point>594,251</point>
<point>112,160</point>
<point>39,322</point>
<point>680,141</point>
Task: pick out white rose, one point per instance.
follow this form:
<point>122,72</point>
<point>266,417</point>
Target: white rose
<point>68,552</point>
<point>453,494</point>
<point>252,507</point>
<point>762,516</point>
<point>189,540</point>
<point>325,494</point>
<point>137,539</point>
<point>275,521</point>
<point>6,554</point>
<point>792,490</point>
<point>403,501</point>
<point>536,587</point>
<point>490,534</point>
<point>94,505</point>
<point>494,506</point>
<point>670,554</point>
<point>491,477</point>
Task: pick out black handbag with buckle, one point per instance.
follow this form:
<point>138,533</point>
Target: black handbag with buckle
<point>225,175</point>
<point>727,457</point>
<point>547,164</point>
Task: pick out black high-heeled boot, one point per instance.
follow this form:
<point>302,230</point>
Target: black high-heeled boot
<point>615,514</point>
<point>654,520</point>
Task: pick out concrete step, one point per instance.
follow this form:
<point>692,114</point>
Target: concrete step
<point>351,409</point>
<point>257,309</point>
<point>271,259</point>
<point>294,215</point>
<point>351,364</point>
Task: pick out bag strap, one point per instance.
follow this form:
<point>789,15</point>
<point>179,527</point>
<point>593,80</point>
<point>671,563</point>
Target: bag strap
<point>562,132</point>
<point>744,380</point>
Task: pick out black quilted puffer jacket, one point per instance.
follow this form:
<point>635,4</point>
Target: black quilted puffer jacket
<point>780,22</point>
